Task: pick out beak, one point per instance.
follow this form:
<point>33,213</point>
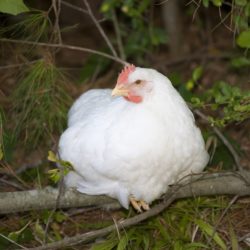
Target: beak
<point>119,91</point>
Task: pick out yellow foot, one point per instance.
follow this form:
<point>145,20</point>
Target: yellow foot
<point>138,205</point>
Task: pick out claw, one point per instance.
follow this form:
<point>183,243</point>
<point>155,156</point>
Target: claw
<point>144,205</point>
<point>139,205</point>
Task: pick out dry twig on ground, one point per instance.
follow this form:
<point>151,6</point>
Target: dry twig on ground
<point>200,185</point>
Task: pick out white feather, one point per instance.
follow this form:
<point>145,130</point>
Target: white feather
<point>120,148</point>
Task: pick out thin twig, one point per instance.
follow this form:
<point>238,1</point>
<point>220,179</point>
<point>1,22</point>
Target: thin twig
<point>12,183</point>
<point>100,28</point>
<point>118,35</point>
<point>67,46</point>
<point>74,7</point>
<point>18,64</point>
<point>11,172</point>
<point>223,139</point>
<point>82,238</point>
<point>222,21</point>
<point>57,9</point>
<point>12,241</point>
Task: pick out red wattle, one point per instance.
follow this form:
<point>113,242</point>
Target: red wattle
<point>133,98</point>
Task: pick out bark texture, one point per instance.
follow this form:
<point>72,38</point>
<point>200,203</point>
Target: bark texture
<point>205,184</point>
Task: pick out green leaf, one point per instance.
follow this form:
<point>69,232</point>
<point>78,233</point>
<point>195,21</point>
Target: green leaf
<point>217,3</point>
<point>60,217</point>
<point>234,240</point>
<point>15,235</point>
<point>240,62</point>
<point>123,243</point>
<point>205,3</point>
<point>196,245</point>
<point>13,7</point>
<point>197,73</point>
<point>107,245</point>
<point>52,157</point>
<point>105,7</point>
<point>209,230</point>
<point>241,2</point>
<point>196,102</point>
<point>189,85</point>
<point>39,231</point>
<point>243,39</point>
<point>55,175</point>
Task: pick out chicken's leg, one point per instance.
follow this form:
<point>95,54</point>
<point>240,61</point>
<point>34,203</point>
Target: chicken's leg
<point>138,205</point>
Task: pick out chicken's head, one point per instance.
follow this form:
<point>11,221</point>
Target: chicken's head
<point>133,84</point>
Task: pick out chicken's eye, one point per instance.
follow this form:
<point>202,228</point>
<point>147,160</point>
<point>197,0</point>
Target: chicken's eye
<point>138,81</point>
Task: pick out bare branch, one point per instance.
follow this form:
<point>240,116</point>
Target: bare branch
<point>118,35</point>
<point>203,184</point>
<point>18,64</point>
<point>66,46</point>
<point>74,7</point>
<point>223,139</point>
<point>100,28</point>
<point>57,9</point>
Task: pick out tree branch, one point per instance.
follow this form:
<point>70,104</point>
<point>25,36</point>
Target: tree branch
<point>200,185</point>
<point>99,27</point>
<point>118,35</point>
<point>74,7</point>
<point>66,46</point>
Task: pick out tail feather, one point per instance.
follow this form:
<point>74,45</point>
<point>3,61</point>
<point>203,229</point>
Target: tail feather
<point>111,189</point>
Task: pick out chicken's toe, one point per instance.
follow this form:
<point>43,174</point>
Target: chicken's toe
<point>144,205</point>
<point>139,205</point>
<point>135,204</point>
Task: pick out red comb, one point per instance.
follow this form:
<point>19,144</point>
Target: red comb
<point>123,76</point>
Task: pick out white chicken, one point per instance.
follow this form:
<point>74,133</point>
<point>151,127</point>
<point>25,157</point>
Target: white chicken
<point>133,142</point>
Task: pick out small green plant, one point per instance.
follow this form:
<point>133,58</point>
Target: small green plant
<point>232,102</point>
<point>40,103</point>
<point>188,224</point>
<point>58,173</point>
<point>33,26</point>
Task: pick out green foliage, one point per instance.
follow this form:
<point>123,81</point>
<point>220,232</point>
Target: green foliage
<point>33,26</point>
<point>13,7</point>
<point>174,229</point>
<point>210,231</point>
<point>17,234</point>
<point>240,15</point>
<point>40,103</point>
<point>243,39</point>
<point>217,3</point>
<point>132,20</point>
<point>232,101</point>
<point>56,174</point>
<point>196,75</point>
<point>240,62</point>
